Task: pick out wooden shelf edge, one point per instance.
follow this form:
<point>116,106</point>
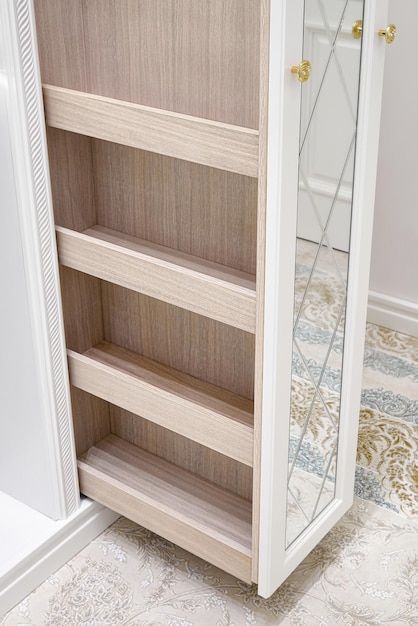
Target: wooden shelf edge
<point>207,414</point>
<point>215,144</point>
<point>197,515</point>
<point>185,281</point>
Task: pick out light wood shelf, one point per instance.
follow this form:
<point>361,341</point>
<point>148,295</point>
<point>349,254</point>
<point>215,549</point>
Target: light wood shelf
<point>201,517</point>
<point>205,413</point>
<point>183,280</point>
<point>211,143</point>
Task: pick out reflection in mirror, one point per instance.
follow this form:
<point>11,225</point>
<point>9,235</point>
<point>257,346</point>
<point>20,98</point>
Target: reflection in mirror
<point>326,170</point>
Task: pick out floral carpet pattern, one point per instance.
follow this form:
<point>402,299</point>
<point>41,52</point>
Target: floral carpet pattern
<point>363,573</point>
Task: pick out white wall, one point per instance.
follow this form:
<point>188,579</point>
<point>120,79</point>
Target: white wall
<point>394,266</point>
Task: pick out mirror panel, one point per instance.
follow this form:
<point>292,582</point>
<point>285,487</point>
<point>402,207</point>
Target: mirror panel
<point>326,169</point>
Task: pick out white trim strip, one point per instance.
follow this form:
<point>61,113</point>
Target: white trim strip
<point>394,313</point>
<point>56,547</point>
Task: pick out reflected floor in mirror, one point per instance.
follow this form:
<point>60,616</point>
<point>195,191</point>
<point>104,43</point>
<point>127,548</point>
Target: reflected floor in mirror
<point>363,572</point>
<point>320,286</point>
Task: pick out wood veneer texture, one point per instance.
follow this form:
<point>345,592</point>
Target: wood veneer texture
<point>200,516</point>
<point>191,456</point>
<point>189,282</point>
<point>195,58</point>
<point>195,345</point>
<point>193,408</point>
<point>72,179</point>
<point>260,276</point>
<point>202,211</point>
<point>195,139</point>
<point>205,212</point>
<point>83,323</point>
<point>91,419</point>
<point>198,58</point>
<point>82,309</point>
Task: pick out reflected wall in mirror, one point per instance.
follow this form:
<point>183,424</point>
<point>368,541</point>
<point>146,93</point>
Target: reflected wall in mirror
<point>326,170</point>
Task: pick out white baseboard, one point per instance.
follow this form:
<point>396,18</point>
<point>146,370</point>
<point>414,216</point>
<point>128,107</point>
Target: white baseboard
<point>394,313</point>
<point>53,544</point>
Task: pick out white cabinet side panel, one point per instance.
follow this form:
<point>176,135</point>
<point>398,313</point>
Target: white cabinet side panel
<point>37,444</point>
<point>23,451</point>
<point>286,19</point>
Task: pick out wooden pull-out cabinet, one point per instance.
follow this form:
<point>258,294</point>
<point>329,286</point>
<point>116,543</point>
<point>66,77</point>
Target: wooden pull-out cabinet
<point>152,110</point>
<point>166,161</point>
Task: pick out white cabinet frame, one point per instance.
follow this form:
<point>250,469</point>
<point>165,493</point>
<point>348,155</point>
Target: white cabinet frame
<point>275,561</point>
<point>26,119</point>
<point>21,86</point>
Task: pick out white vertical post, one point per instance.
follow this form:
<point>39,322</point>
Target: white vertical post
<point>286,36</point>
<point>37,447</point>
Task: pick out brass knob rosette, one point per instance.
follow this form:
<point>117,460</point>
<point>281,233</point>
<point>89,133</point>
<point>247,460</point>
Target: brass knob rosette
<point>302,71</point>
<point>388,33</point>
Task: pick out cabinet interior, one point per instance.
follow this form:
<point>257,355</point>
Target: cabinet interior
<point>157,243</point>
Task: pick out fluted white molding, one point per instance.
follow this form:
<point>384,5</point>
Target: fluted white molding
<point>30,163</point>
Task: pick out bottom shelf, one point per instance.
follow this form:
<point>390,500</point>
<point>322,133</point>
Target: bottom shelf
<point>182,507</point>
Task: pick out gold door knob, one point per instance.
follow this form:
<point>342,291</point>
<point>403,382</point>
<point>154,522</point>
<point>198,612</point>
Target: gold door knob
<point>357,29</point>
<point>388,33</point>
<point>303,71</point>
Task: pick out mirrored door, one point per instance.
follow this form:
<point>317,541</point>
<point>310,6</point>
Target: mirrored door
<point>328,129</point>
<point>321,162</point>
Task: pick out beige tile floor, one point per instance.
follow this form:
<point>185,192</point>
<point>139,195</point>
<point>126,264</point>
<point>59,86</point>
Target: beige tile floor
<point>364,572</point>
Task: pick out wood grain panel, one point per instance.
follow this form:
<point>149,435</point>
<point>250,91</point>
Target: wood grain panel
<point>83,322</point>
<point>198,58</point>
<point>82,308</point>
<point>209,415</point>
<point>199,516</point>
<point>61,42</point>
<point>91,419</point>
<point>183,280</point>
<point>261,268</point>
<point>72,179</point>
<point>195,345</point>
<point>71,167</point>
<point>227,147</point>
<point>205,212</point>
<point>202,211</point>
<point>191,456</point>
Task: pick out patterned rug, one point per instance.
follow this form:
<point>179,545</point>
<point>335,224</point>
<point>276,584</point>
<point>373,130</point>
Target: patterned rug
<point>364,572</point>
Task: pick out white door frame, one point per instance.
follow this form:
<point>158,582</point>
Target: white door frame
<point>275,561</point>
